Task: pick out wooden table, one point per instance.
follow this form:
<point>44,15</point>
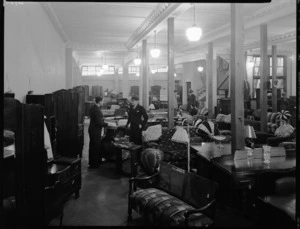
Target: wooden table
<point>133,149</point>
<point>236,177</point>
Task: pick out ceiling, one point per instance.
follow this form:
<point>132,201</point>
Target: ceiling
<point>95,28</point>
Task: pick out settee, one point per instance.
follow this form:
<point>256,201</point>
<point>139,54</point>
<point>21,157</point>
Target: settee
<point>175,198</point>
<point>175,153</point>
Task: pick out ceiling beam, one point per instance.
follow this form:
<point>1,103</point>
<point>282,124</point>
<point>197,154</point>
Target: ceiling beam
<point>281,38</point>
<point>46,6</point>
<point>96,47</point>
<point>155,21</point>
<point>267,14</point>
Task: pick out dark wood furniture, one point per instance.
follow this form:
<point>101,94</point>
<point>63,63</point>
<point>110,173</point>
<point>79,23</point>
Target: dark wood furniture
<point>237,178</point>
<point>118,146</point>
<point>223,106</point>
<point>72,183</point>
<point>31,192</point>
<point>69,119</point>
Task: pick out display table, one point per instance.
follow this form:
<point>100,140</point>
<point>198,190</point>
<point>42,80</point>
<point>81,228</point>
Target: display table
<point>236,177</point>
<point>120,145</point>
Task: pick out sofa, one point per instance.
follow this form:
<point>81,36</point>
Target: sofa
<point>176,198</point>
<point>175,153</point>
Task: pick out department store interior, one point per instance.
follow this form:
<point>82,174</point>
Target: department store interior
<point>217,82</point>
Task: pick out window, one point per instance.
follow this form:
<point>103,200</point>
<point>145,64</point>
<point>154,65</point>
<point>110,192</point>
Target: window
<point>133,69</point>
<point>281,83</point>
<point>97,71</point>
<point>120,72</point>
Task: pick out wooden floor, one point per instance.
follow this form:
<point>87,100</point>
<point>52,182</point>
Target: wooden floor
<point>103,200</point>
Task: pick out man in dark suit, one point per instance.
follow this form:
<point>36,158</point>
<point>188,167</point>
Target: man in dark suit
<point>137,118</point>
<point>192,103</point>
<point>95,129</point>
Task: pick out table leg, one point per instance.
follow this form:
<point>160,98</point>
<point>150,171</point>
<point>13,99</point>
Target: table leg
<point>118,161</point>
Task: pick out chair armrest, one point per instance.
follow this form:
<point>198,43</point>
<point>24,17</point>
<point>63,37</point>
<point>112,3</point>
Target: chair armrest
<point>225,132</point>
<point>199,210</point>
<point>132,180</point>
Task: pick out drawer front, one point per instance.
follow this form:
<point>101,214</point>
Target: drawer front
<point>243,182</point>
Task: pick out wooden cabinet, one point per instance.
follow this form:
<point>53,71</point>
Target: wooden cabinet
<point>223,106</point>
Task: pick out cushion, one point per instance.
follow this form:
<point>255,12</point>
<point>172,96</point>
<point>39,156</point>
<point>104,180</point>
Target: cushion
<point>163,209</point>
<point>206,127</point>
<point>151,159</point>
<point>220,117</point>
<point>283,115</point>
<point>284,130</point>
<point>152,133</point>
<point>227,119</point>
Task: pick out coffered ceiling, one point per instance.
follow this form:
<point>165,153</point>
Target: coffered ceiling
<point>91,28</point>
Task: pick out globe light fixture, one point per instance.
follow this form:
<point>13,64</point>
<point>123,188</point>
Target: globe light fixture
<point>200,69</point>
<point>194,33</point>
<point>175,74</point>
<point>155,52</point>
<point>137,61</point>
<point>153,71</point>
<point>138,74</point>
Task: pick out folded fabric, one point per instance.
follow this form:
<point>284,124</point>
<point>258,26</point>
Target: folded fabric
<point>284,130</point>
<point>153,133</point>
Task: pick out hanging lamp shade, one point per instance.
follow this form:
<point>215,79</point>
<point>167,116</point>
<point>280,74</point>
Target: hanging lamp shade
<point>137,61</point>
<point>155,52</point>
<point>194,33</point>
<point>105,67</point>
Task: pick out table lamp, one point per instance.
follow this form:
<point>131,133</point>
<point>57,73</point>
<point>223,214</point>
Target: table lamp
<point>249,135</point>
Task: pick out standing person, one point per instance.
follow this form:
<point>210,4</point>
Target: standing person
<point>137,124</point>
<point>95,129</point>
<point>192,103</point>
<point>175,100</point>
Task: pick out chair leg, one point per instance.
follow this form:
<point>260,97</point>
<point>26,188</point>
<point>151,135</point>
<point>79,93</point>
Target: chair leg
<point>77,194</point>
<point>61,219</point>
<point>129,210</point>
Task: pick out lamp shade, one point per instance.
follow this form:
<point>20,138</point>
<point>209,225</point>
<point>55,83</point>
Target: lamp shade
<point>155,52</point>
<point>249,132</point>
<point>194,33</point>
<point>200,69</point>
<point>137,61</point>
<point>105,66</point>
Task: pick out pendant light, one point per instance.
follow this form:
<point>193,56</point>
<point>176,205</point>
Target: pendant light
<point>194,33</point>
<point>105,66</point>
<point>137,61</point>
<point>155,52</point>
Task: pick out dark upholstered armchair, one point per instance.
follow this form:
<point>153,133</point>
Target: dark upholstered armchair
<point>276,199</point>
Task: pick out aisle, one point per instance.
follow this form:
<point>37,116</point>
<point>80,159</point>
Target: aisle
<point>103,196</point>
